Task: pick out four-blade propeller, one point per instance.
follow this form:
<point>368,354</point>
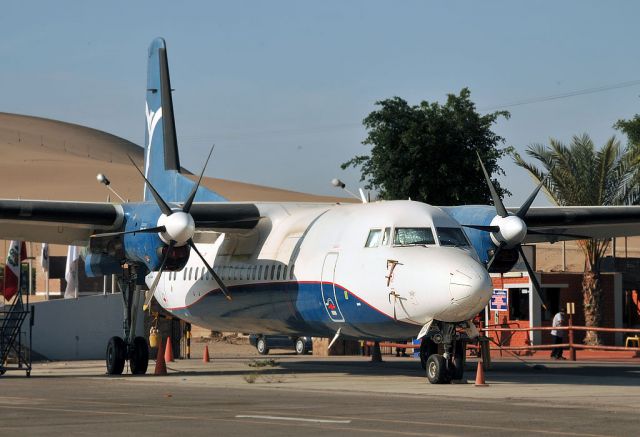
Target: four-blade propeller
<point>176,228</point>
<point>509,231</point>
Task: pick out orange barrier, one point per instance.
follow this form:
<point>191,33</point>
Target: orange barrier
<point>205,354</point>
<point>571,345</point>
<point>168,353</point>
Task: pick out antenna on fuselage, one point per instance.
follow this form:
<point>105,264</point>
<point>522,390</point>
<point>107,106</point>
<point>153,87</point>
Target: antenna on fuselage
<point>107,183</point>
<point>339,184</point>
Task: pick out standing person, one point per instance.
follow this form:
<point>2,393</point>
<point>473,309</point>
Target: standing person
<point>558,334</point>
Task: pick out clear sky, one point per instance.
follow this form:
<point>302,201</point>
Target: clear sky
<point>281,87</point>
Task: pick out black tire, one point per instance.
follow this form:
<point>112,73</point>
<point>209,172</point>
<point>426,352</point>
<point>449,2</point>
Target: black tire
<point>459,358</point>
<point>261,346</point>
<point>116,351</point>
<point>301,346</point>
<point>139,359</point>
<point>427,348</point>
<point>437,370</point>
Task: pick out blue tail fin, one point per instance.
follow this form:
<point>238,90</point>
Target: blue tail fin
<point>162,162</point>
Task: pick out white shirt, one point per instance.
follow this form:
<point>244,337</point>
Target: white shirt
<point>557,322</point>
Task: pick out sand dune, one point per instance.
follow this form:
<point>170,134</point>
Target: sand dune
<point>54,160</point>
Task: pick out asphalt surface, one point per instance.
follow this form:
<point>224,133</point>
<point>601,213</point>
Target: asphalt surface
<point>289,395</point>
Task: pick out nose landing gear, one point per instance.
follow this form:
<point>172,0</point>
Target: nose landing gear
<point>443,353</point>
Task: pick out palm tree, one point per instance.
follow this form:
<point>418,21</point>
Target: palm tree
<point>581,175</point>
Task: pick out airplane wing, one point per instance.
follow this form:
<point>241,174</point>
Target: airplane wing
<point>549,224</point>
<point>56,222</point>
<point>72,223</point>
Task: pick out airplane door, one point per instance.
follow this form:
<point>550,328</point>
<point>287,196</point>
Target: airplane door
<point>328,288</point>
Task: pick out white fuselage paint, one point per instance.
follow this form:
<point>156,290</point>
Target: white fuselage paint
<point>428,282</point>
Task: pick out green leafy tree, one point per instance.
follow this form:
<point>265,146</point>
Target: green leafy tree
<point>631,128</point>
<point>581,175</point>
<point>427,152</point>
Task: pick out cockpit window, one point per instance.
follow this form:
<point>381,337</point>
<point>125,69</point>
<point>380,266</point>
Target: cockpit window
<point>452,237</point>
<point>373,240</point>
<point>413,236</point>
<point>386,237</point>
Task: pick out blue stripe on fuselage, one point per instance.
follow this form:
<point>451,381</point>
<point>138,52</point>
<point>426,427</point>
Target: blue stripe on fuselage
<point>294,308</point>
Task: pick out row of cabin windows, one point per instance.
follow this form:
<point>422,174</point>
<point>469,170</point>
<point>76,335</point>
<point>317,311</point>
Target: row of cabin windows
<point>238,273</point>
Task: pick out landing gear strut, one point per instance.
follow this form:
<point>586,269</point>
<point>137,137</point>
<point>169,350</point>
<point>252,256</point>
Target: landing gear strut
<point>131,348</point>
<point>442,354</point>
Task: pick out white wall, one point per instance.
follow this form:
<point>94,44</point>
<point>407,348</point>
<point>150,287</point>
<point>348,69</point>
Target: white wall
<point>79,329</point>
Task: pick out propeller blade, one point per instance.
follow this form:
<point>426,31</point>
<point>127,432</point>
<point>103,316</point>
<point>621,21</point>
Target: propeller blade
<point>187,205</point>
<point>497,202</point>
<point>223,287</point>
<point>156,280</point>
<point>527,204</point>
<point>485,228</point>
<point>137,231</point>
<point>495,255</point>
<point>532,275</point>
<point>166,210</point>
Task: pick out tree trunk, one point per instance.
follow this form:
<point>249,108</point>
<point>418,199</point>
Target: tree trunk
<point>592,298</point>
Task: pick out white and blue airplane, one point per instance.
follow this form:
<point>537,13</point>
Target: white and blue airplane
<point>386,270</point>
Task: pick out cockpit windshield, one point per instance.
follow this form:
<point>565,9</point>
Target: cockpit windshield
<point>413,236</point>
<point>452,237</point>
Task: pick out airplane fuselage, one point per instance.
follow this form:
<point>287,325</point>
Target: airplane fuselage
<point>378,270</point>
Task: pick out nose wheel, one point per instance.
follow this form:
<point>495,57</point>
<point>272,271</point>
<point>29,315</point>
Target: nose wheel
<point>443,355</point>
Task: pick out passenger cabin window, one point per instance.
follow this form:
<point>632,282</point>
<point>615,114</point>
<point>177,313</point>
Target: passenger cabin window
<point>373,240</point>
<point>291,271</point>
<point>452,237</point>
<point>413,236</point>
<point>279,272</point>
<point>284,272</point>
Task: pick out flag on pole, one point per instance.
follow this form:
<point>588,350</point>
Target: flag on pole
<point>71,273</point>
<point>44,257</point>
<point>17,254</point>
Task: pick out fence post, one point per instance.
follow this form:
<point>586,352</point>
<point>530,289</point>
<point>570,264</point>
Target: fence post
<point>572,350</point>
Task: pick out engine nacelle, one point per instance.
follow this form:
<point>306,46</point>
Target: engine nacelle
<point>98,264</point>
<point>145,248</point>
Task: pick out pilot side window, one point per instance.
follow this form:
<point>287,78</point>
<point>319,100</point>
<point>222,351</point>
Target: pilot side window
<point>452,237</point>
<point>373,240</point>
<point>413,236</point>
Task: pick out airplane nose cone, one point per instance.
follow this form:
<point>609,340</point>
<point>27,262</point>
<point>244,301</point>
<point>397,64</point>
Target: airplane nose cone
<point>467,281</point>
<point>470,289</point>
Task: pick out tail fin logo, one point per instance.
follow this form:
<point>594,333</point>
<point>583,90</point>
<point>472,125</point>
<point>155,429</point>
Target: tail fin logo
<point>152,120</point>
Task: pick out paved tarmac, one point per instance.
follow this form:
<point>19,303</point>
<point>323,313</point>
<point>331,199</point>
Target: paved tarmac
<point>290,395</point>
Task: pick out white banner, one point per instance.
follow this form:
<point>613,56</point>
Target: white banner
<point>71,273</point>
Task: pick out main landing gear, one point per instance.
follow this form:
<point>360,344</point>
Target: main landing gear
<point>442,353</point>
<point>131,348</point>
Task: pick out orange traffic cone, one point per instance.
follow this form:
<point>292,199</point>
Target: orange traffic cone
<point>161,366</point>
<point>168,353</point>
<point>480,375</point>
<point>205,354</point>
